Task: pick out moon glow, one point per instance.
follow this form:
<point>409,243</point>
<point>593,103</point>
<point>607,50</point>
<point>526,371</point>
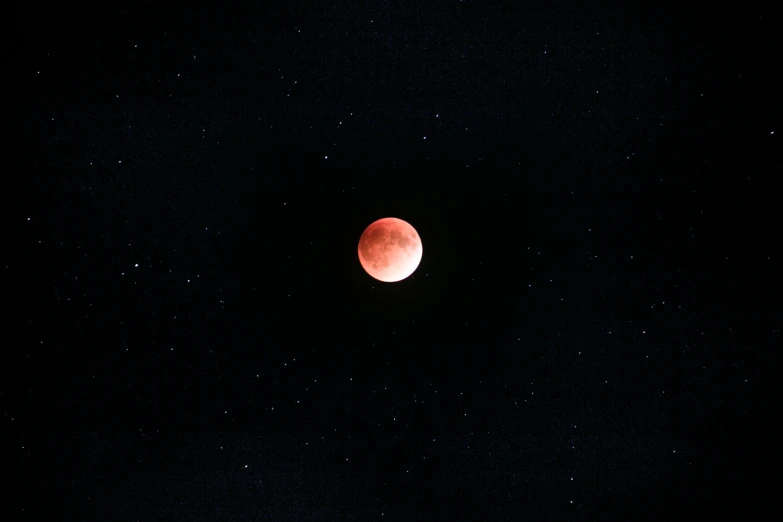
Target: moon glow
<point>390,250</point>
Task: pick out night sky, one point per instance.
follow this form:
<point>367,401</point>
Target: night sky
<point>593,332</point>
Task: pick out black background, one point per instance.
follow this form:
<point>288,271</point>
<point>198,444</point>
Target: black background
<point>591,333</point>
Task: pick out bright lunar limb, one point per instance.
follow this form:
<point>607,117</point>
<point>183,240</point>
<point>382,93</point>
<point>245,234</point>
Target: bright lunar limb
<point>390,250</point>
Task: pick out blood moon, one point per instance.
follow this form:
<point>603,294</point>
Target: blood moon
<point>390,249</point>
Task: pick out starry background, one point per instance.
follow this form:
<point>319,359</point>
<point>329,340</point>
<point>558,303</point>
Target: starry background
<point>592,331</point>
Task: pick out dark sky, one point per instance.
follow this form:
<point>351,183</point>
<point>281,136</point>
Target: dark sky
<point>593,331</point>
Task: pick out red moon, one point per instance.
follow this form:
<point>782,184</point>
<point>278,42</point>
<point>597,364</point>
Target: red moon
<point>390,250</point>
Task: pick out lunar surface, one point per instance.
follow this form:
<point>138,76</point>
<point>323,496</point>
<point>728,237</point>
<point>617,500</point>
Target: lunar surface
<point>390,250</point>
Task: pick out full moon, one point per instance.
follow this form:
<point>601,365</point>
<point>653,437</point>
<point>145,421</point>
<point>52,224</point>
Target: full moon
<point>390,250</point>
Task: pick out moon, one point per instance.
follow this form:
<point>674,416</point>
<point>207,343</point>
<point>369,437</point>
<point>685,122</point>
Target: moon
<point>390,250</point>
